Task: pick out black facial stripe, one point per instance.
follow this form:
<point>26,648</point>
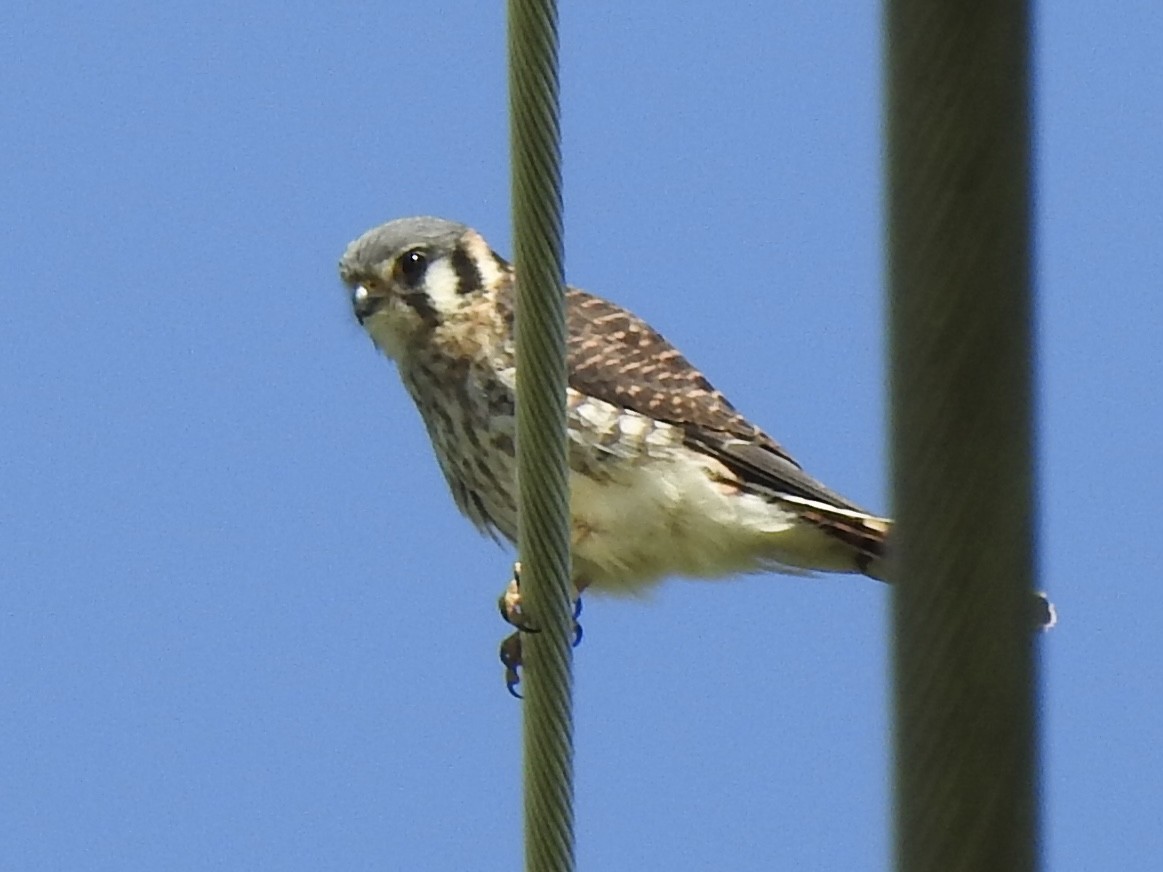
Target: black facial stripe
<point>423,307</point>
<point>468,277</point>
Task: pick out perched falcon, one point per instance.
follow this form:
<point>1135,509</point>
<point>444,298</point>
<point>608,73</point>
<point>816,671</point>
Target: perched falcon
<point>667,478</point>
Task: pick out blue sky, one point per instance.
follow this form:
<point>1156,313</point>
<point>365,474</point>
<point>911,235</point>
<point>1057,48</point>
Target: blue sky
<point>243,625</point>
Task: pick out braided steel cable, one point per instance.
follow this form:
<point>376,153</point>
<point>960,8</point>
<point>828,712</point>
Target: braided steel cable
<point>542,470</point>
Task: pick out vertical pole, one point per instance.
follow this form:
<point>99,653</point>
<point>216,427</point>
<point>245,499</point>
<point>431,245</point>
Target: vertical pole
<point>962,368</point>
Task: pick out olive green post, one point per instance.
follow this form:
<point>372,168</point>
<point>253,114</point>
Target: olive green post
<point>962,376</point>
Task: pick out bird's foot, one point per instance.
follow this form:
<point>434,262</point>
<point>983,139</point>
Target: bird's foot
<point>509,604</point>
<point>511,660</point>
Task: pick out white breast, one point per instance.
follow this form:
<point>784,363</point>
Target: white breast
<point>667,516</point>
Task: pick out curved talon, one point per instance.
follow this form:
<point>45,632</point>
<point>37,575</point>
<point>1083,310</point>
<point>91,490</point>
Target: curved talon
<point>512,679</point>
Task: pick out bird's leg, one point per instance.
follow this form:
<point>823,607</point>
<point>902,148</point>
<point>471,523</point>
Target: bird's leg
<point>509,604</point>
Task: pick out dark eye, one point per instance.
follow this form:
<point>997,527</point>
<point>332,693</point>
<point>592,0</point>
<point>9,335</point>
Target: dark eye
<point>411,266</point>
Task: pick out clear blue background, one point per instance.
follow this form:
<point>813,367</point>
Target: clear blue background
<point>243,626</point>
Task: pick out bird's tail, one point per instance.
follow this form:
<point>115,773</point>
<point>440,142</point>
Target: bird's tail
<point>859,539</point>
<point>868,537</point>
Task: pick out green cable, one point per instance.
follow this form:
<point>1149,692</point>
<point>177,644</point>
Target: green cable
<point>542,470</point>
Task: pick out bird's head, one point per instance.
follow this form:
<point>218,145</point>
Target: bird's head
<point>409,276</point>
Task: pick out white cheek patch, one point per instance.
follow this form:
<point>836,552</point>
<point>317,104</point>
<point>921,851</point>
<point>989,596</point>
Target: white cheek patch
<point>441,284</point>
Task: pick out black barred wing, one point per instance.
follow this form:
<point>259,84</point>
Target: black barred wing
<point>619,358</point>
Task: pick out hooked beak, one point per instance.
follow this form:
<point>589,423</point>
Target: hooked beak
<point>363,303</point>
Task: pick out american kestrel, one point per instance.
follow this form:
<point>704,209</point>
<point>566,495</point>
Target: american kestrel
<point>666,477</point>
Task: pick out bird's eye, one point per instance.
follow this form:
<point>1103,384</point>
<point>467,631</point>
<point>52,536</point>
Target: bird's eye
<point>411,266</point>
